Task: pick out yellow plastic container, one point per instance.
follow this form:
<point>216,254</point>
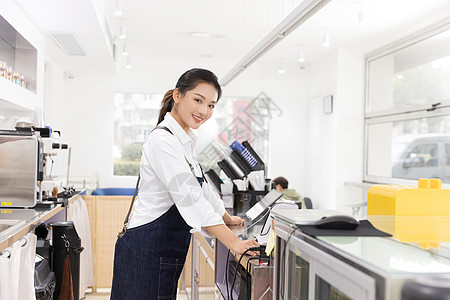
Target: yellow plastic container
<point>426,231</point>
<point>426,199</point>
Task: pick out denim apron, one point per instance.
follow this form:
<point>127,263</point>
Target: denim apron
<point>148,259</point>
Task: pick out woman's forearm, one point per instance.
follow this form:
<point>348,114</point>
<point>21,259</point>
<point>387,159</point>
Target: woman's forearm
<point>226,218</point>
<point>230,240</point>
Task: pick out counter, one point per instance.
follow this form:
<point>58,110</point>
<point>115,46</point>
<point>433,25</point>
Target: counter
<point>16,223</point>
<point>351,267</point>
<point>218,259</point>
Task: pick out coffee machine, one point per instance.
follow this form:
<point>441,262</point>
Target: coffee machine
<point>27,156</point>
<point>51,150</point>
<point>21,168</point>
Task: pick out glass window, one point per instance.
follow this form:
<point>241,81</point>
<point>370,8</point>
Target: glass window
<point>408,109</point>
<point>410,149</point>
<point>242,119</point>
<point>135,116</point>
<point>447,154</point>
<point>325,291</point>
<point>416,75</point>
<point>298,277</point>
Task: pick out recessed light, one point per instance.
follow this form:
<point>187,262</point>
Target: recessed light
<point>197,34</point>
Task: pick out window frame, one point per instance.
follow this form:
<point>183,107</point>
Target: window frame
<point>403,113</point>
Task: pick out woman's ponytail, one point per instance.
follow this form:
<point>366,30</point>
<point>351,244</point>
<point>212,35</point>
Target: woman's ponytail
<point>166,105</point>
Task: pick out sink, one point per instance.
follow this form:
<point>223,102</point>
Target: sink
<point>8,226</point>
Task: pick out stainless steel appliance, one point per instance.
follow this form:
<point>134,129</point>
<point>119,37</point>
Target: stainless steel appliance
<point>20,169</point>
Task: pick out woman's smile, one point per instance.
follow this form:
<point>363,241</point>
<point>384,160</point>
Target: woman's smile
<point>197,119</point>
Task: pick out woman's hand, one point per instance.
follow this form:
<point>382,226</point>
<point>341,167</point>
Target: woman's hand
<point>235,220</point>
<point>240,246</point>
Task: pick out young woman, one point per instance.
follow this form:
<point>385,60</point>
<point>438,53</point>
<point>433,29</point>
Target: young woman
<point>173,198</point>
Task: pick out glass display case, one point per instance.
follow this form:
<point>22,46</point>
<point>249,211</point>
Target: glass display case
<point>347,267</point>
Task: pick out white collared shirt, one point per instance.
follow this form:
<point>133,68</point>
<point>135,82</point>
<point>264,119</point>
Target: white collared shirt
<point>166,179</point>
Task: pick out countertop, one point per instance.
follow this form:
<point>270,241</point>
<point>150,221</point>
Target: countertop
<point>15,223</point>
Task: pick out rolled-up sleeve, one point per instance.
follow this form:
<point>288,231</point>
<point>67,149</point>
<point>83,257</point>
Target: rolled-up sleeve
<point>165,154</point>
<point>212,198</point>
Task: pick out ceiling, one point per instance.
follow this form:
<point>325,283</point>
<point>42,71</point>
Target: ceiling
<point>226,30</point>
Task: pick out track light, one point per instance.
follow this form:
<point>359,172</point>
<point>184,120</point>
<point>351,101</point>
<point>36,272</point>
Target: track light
<point>298,16</point>
<point>128,64</point>
<point>360,14</point>
<point>326,40</point>
<point>118,8</point>
<point>124,50</point>
<point>301,56</point>
<point>281,70</point>
<point>122,32</point>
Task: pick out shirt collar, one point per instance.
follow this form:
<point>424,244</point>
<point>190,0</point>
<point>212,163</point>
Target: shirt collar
<point>179,131</point>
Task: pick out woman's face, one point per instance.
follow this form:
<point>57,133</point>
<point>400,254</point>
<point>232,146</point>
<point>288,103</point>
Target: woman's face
<point>196,106</point>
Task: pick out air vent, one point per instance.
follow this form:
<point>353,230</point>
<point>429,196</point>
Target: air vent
<point>67,43</point>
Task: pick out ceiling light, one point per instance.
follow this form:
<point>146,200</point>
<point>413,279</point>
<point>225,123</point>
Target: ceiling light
<point>128,64</point>
<point>326,40</point>
<point>301,56</point>
<point>124,50</point>
<point>305,10</point>
<point>200,35</point>
<point>122,32</point>
<point>360,14</point>
<point>118,8</point>
<point>281,70</point>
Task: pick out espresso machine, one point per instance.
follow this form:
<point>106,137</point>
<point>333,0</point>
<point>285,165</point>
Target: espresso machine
<point>21,168</point>
<point>27,156</point>
<point>51,184</point>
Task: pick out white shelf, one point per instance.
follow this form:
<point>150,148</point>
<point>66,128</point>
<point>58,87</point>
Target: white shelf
<point>17,98</point>
<point>23,50</point>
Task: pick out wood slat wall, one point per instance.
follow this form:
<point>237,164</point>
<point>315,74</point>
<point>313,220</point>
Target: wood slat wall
<point>106,216</point>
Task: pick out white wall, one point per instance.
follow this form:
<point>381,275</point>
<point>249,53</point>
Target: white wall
<point>287,151</point>
<point>321,131</point>
<point>84,114</point>
<point>335,141</point>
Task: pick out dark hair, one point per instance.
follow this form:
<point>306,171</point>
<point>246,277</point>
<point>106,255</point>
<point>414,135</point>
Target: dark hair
<point>281,181</point>
<point>188,81</point>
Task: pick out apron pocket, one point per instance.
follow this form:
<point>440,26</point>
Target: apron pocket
<point>169,273</point>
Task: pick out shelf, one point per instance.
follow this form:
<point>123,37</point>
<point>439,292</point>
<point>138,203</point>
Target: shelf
<point>22,48</point>
<point>14,98</point>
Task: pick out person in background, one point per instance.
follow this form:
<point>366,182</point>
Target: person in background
<point>174,198</point>
<point>281,184</point>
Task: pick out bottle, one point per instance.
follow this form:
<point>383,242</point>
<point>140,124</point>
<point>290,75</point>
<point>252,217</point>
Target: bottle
<point>23,82</point>
<point>2,69</point>
<point>9,73</point>
<point>16,78</point>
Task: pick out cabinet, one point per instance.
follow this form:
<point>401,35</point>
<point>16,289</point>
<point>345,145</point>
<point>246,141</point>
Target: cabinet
<point>304,271</point>
<point>22,48</point>
<point>347,267</point>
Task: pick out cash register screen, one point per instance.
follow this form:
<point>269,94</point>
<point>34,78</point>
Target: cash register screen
<point>263,204</point>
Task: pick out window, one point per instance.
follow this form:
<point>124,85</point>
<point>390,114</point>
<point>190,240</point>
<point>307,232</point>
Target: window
<point>242,119</point>
<point>408,109</point>
<point>135,115</point>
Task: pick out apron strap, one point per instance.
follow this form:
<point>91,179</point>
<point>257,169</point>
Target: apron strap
<point>125,223</point>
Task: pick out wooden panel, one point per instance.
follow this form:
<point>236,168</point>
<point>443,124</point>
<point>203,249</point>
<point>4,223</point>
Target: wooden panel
<point>110,214</point>
<point>106,214</point>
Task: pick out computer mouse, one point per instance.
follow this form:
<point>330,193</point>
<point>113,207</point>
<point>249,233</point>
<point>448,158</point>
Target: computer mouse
<point>337,222</point>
